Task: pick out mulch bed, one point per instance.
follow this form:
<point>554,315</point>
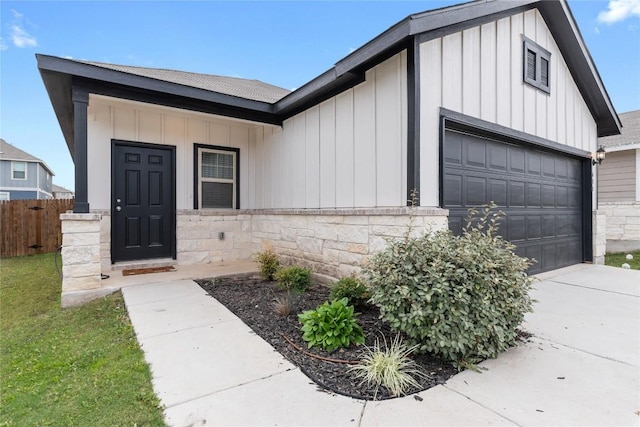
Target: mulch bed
<point>252,299</point>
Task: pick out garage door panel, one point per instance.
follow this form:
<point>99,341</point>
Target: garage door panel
<point>561,169</point>
<point>516,160</point>
<point>516,228</point>
<point>453,150</point>
<point>476,191</point>
<point>548,167</point>
<point>534,227</point>
<point>540,193</point>
<point>498,191</point>
<point>498,158</point>
<point>516,194</point>
<point>548,196</point>
<point>453,195</point>
<point>475,154</point>
<point>534,195</point>
<point>562,196</point>
<point>534,164</point>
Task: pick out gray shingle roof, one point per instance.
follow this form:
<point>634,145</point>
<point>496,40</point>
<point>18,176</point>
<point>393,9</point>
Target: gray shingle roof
<point>630,131</point>
<point>58,189</point>
<point>242,88</point>
<point>10,152</point>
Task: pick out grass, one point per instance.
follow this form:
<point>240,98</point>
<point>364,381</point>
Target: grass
<point>616,260</point>
<point>74,367</point>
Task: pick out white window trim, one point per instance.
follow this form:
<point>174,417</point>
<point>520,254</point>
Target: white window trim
<point>201,179</point>
<point>5,195</point>
<point>26,169</point>
<point>540,53</point>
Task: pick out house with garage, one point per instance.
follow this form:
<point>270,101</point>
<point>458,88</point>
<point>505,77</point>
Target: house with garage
<point>484,101</point>
<point>23,176</point>
<point>619,185</point>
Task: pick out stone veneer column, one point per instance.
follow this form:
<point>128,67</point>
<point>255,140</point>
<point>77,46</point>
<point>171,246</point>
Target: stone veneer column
<point>80,256</point>
<point>599,236</point>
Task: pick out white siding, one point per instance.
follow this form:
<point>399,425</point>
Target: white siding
<point>350,151</point>
<point>133,121</point>
<point>479,72</point>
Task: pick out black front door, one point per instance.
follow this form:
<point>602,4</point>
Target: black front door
<point>142,201</point>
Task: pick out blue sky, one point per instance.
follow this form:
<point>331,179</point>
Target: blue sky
<point>283,43</point>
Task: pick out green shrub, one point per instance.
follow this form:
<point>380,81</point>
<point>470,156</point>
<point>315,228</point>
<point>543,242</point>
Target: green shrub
<point>294,278</point>
<point>269,263</point>
<point>332,325</point>
<point>390,367</point>
<point>351,288</point>
<point>459,297</point>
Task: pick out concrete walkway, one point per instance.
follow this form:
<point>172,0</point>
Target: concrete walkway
<point>582,366</point>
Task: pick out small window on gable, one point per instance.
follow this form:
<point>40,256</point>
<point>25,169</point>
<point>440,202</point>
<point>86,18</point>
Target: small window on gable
<point>216,177</point>
<point>19,170</point>
<point>536,66</point>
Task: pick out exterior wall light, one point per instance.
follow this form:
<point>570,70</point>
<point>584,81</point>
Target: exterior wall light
<point>600,155</point>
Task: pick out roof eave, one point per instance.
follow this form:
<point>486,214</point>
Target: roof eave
<point>574,50</point>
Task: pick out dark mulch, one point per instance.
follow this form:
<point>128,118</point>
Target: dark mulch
<point>252,300</point>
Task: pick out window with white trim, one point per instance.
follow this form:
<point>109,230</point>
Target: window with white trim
<point>19,170</point>
<point>537,62</point>
<point>4,195</point>
<point>217,172</point>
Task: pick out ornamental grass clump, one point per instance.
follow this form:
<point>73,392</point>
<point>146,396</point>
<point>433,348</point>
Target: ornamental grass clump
<point>458,297</point>
<point>390,367</point>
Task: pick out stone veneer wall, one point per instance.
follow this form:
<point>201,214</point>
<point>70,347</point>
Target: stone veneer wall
<point>599,221</point>
<point>333,242</point>
<point>337,242</point>
<point>623,225</point>
<point>81,241</point>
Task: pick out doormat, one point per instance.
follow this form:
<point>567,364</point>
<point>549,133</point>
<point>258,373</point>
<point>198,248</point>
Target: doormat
<point>136,271</point>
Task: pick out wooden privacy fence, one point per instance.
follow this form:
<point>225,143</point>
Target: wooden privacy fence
<point>30,227</point>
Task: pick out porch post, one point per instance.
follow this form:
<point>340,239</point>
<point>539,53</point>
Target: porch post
<point>413,125</point>
<point>80,98</point>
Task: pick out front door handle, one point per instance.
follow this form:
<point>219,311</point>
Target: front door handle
<point>118,208</point>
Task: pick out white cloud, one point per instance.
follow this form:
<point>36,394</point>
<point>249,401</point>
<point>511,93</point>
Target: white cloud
<point>596,30</point>
<point>16,14</point>
<point>21,38</point>
<point>3,45</point>
<point>619,10</point>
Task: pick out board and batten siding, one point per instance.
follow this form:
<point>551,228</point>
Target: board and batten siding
<point>479,72</point>
<point>617,177</point>
<point>110,118</point>
<point>348,151</point>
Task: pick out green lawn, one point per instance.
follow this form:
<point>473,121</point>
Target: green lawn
<point>72,367</point>
<point>616,260</point>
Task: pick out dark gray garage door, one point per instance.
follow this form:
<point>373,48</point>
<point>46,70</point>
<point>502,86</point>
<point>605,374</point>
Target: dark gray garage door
<point>540,192</point>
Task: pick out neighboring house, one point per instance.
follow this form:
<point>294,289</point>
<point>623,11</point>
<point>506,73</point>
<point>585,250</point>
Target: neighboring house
<point>484,101</point>
<point>23,176</point>
<point>619,185</point>
<point>61,192</point>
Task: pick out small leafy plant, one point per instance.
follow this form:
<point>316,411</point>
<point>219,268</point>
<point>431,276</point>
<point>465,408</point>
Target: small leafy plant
<point>353,288</point>
<point>294,278</point>
<point>331,325</point>
<point>269,263</point>
<point>390,367</point>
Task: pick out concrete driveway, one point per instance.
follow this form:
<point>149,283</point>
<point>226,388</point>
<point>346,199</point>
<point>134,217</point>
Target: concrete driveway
<point>582,367</point>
